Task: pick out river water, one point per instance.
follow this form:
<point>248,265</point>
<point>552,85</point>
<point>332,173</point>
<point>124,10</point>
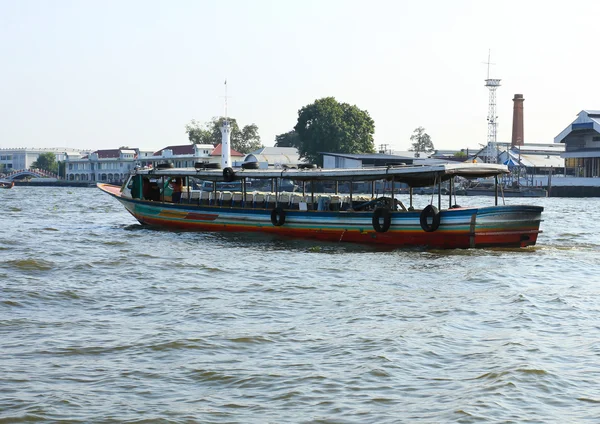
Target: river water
<point>103,320</point>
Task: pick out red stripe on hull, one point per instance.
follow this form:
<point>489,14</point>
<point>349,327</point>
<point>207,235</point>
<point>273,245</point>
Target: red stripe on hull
<point>437,239</point>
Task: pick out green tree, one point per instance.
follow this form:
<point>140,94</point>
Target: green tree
<point>421,142</point>
<point>249,140</point>
<point>460,155</point>
<point>47,162</point>
<point>288,139</point>
<point>61,169</point>
<point>329,126</point>
<point>245,140</point>
<point>199,133</point>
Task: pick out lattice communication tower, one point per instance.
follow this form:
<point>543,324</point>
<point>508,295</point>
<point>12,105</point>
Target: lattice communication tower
<point>492,84</point>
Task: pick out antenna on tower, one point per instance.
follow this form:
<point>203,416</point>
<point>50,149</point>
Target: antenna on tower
<point>226,97</point>
<point>488,63</point>
<point>492,84</point>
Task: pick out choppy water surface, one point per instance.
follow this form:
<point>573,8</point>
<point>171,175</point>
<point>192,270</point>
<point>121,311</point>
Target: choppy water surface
<point>103,320</point>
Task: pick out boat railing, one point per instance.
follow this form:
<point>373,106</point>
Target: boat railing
<point>270,200</point>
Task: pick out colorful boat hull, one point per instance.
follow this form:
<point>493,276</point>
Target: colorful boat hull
<point>502,226</point>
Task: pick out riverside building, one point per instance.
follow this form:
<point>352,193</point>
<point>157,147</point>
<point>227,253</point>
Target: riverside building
<point>22,157</point>
<point>114,165</point>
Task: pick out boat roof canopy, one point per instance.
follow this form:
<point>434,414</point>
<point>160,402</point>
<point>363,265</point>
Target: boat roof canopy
<point>414,176</point>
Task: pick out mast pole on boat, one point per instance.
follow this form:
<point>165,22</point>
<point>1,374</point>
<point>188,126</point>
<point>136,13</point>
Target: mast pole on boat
<point>244,192</point>
<point>392,204</point>
<point>450,183</point>
<point>496,189</point>
<point>440,193</point>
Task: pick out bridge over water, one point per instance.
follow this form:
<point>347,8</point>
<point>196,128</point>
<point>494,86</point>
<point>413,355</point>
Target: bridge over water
<point>33,173</point>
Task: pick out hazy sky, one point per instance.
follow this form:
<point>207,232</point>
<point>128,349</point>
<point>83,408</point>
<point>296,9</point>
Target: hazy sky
<point>102,74</point>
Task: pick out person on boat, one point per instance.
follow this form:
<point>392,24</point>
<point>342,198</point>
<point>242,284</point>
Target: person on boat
<point>177,187</point>
<point>146,192</point>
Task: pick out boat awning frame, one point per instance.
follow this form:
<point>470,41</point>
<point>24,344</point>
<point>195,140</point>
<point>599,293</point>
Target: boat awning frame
<point>414,176</point>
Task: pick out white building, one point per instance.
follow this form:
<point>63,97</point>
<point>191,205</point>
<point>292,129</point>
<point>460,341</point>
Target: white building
<point>22,158</point>
<point>186,155</point>
<point>102,165</point>
<point>115,164</point>
<point>351,160</point>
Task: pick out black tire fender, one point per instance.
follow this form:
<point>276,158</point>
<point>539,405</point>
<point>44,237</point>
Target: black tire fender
<point>250,165</point>
<point>228,174</point>
<point>278,216</point>
<point>387,219</point>
<point>432,212</point>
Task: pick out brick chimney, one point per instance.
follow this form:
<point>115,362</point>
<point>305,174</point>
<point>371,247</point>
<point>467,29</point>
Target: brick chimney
<point>518,137</point>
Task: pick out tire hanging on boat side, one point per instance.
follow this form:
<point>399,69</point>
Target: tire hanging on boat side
<point>387,219</point>
<point>278,216</point>
<point>228,174</point>
<point>432,212</point>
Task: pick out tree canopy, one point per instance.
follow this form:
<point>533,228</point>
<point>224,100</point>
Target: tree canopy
<point>421,142</point>
<point>329,126</point>
<point>47,162</point>
<point>288,139</point>
<point>245,140</point>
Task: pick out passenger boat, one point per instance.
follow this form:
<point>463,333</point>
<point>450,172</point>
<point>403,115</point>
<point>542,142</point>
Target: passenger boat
<point>7,184</point>
<point>170,198</point>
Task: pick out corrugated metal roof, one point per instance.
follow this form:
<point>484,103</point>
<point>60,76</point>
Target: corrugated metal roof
<point>274,159</point>
<point>541,161</point>
<point>290,151</point>
<point>366,156</point>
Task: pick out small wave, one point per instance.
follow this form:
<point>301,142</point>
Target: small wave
<point>178,344</point>
<point>520,298</point>
<point>379,373</point>
<point>491,375</point>
<point>212,376</point>
<point>251,340</point>
<point>12,303</point>
<point>210,269</point>
<point>501,374</point>
<point>50,229</point>
<point>134,227</point>
<point>383,400</point>
<point>532,371</point>
<point>90,350</point>
<point>31,264</point>
<point>69,294</point>
<point>513,344</point>
<point>558,300</point>
<point>583,399</point>
<point>114,242</point>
